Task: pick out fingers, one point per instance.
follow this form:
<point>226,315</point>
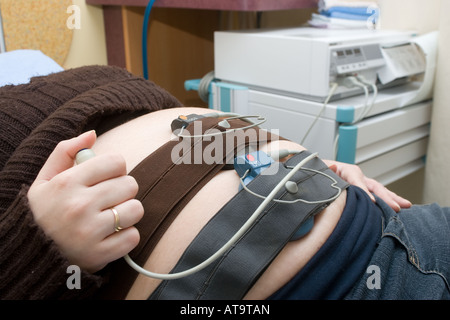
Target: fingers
<point>112,192</point>
<point>116,243</point>
<point>392,199</point>
<point>63,155</point>
<point>354,175</point>
<point>77,214</point>
<point>112,248</point>
<point>100,168</point>
<point>111,189</point>
<point>362,183</point>
<point>402,202</point>
<point>128,214</point>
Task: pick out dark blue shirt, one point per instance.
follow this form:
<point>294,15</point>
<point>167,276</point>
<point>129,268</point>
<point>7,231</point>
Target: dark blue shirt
<point>344,257</point>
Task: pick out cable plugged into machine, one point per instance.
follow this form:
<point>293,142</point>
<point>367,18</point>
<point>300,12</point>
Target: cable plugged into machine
<point>374,87</point>
<point>331,92</point>
<point>357,81</point>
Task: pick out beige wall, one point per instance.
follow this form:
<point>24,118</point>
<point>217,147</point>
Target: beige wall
<point>88,44</point>
<point>437,177</point>
<point>422,17</point>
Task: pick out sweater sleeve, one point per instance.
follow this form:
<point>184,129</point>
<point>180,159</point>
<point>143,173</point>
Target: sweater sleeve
<point>31,266</point>
<point>33,119</point>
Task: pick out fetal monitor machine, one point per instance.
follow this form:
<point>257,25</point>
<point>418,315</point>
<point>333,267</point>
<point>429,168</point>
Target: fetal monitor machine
<point>300,79</point>
<point>304,61</point>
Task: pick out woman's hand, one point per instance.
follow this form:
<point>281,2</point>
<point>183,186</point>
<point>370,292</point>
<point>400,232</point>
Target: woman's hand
<point>72,204</point>
<point>354,175</point>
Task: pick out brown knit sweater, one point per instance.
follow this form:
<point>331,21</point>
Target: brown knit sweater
<point>33,118</point>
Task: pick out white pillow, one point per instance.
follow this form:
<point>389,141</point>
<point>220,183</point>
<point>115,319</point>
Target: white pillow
<point>18,66</point>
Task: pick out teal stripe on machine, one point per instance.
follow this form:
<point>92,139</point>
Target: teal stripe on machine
<point>345,114</point>
<point>348,136</point>
<point>225,99</point>
<point>227,92</point>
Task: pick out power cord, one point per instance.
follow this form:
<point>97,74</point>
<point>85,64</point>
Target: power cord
<point>144,38</point>
<point>333,88</point>
<point>203,87</point>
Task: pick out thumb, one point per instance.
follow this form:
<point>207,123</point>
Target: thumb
<point>62,158</point>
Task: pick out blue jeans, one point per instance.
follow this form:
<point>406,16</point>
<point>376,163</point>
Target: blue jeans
<point>412,259</point>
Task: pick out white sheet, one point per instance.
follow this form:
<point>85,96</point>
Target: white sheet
<point>18,66</point>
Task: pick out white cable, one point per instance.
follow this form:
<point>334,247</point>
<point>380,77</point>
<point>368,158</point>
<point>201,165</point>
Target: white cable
<point>281,153</point>
<point>219,114</point>
<point>212,115</point>
<point>252,124</point>
<point>330,94</point>
<point>375,93</point>
<point>366,103</point>
<point>233,239</point>
<point>360,81</point>
<point>357,81</point>
<point>335,146</point>
<point>333,185</point>
<point>203,87</point>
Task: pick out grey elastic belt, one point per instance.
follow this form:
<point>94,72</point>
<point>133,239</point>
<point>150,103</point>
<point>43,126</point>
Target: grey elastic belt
<point>233,275</point>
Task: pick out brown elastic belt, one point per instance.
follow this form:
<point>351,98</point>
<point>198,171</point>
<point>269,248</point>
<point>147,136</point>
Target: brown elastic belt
<point>166,185</point>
